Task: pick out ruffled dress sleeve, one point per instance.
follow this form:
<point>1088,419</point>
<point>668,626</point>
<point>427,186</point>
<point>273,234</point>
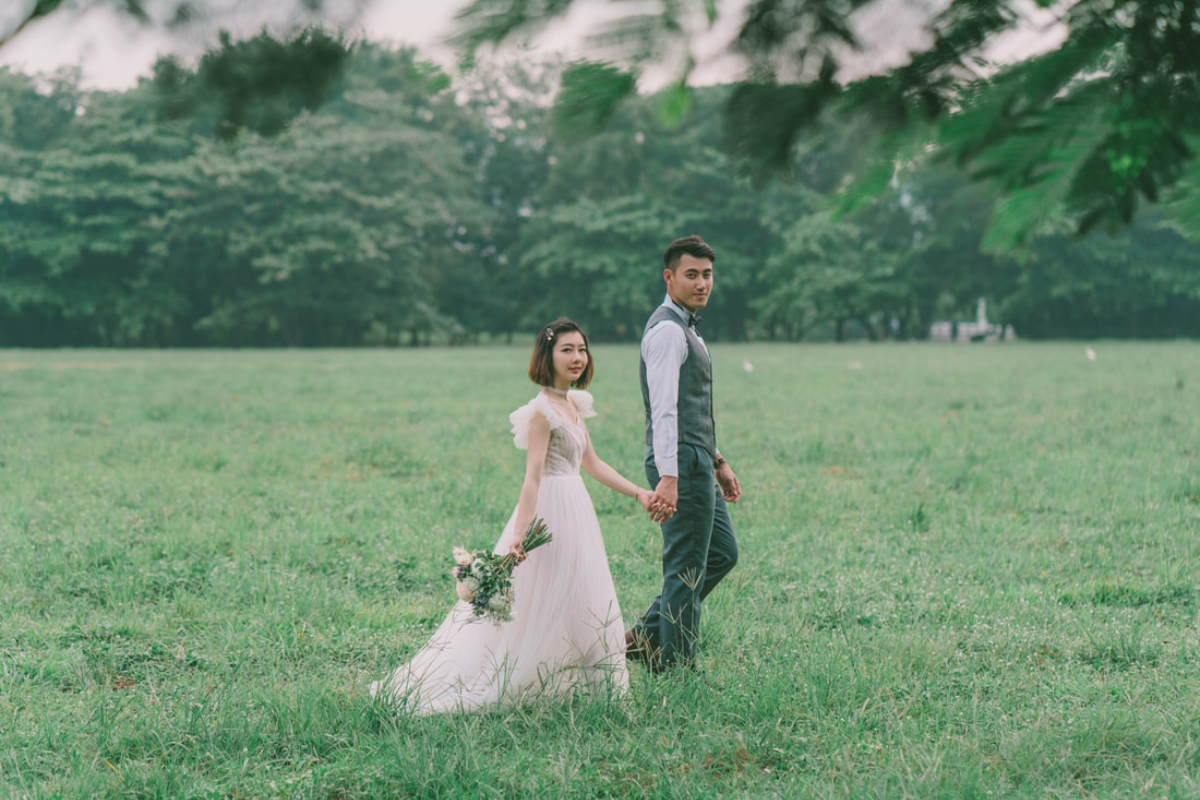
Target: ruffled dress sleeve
<point>522,419</point>
<point>583,402</point>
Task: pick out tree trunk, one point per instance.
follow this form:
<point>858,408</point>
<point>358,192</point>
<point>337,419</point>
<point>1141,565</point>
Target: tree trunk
<point>872,333</point>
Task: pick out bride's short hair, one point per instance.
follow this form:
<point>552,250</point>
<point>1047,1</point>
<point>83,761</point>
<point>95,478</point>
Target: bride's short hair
<point>541,363</point>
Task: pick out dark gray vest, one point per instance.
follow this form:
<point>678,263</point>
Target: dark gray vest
<point>696,426</point>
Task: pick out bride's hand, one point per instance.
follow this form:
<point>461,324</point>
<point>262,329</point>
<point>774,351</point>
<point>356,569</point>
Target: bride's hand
<point>517,552</point>
<point>653,505</point>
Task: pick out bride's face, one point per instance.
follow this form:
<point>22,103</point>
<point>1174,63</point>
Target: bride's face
<point>570,357</point>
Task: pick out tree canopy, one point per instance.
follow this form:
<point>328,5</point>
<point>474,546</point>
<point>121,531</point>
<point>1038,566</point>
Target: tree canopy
<point>1086,132</point>
<point>406,209</point>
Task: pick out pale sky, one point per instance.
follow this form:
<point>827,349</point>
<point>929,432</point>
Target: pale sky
<point>113,52</point>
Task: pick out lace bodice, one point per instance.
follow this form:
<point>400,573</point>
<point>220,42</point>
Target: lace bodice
<point>568,439</point>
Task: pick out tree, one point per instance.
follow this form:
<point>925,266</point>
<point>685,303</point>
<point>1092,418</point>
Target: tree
<point>509,146</point>
<point>933,221</point>
<point>1143,283</point>
<point>827,271</point>
<point>1108,119</point>
<point>343,225</point>
<point>402,210</point>
<point>613,202</point>
<point>338,230</point>
<point>77,206</point>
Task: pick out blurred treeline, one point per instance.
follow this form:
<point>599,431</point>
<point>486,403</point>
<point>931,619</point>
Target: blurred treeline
<point>409,210</point>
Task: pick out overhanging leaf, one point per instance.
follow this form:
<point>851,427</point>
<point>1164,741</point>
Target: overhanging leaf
<point>589,97</point>
<point>865,186</point>
<point>44,7</point>
<point>763,120</point>
<point>674,104</point>
<point>1018,217</point>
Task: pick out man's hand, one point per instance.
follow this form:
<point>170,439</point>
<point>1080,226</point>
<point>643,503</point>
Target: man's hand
<point>731,490</point>
<point>666,497</point>
<point>653,505</point>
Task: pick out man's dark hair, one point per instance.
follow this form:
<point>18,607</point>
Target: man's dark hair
<point>692,246</point>
<point>541,363</point>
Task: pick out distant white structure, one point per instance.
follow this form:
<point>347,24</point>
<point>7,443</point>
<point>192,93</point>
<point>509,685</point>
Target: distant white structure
<point>978,331</point>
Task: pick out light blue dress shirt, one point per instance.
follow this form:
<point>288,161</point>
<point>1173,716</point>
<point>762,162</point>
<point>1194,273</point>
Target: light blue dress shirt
<point>664,349</point>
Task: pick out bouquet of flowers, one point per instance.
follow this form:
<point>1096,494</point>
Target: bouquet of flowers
<point>485,578</point>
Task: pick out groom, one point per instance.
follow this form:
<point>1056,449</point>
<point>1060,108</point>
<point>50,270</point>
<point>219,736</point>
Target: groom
<point>682,460</point>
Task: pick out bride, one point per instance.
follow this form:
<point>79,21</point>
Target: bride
<point>566,635</point>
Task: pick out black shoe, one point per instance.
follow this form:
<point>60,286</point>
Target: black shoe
<point>639,649</point>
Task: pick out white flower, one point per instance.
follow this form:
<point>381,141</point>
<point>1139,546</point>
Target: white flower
<point>498,602</point>
<point>471,583</point>
<point>462,556</point>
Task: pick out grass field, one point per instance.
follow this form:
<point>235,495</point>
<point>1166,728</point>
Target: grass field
<point>965,572</point>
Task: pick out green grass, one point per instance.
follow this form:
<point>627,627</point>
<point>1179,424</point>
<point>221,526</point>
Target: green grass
<point>965,572</point>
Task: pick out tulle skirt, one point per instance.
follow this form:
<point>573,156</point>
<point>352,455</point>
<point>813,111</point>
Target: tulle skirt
<point>566,635</point>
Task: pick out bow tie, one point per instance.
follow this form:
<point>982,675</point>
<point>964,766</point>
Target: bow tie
<point>693,319</point>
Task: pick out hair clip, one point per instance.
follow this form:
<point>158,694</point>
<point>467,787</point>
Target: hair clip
<point>549,334</point>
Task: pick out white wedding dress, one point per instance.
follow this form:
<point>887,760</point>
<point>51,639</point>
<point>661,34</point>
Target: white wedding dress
<point>566,635</point>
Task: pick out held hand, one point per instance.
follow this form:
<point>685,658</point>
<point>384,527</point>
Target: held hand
<point>665,498</point>
<point>731,490</point>
<point>647,500</point>
<point>654,506</point>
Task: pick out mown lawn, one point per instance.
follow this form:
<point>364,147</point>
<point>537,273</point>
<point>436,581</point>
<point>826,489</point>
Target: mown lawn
<point>965,572</point>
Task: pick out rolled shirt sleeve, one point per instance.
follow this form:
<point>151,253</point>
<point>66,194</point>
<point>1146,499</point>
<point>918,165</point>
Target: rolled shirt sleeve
<point>664,349</point>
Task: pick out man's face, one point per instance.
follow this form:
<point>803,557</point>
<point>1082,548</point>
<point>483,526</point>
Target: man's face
<point>690,283</point>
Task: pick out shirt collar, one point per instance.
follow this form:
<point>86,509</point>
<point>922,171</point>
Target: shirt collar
<point>682,312</point>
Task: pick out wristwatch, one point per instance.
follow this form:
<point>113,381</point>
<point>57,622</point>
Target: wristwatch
<point>719,461</point>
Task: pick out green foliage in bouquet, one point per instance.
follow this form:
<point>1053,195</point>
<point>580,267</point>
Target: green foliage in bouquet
<point>485,578</point>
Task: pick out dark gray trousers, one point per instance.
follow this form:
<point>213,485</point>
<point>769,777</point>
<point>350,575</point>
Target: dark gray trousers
<point>699,549</point>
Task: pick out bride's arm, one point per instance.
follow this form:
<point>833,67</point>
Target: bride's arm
<point>608,476</point>
<point>535,464</point>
